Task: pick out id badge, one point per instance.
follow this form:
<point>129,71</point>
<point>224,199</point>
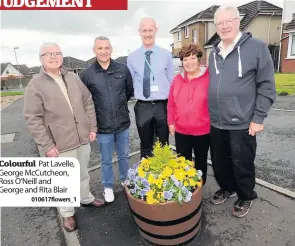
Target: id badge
<point>154,88</point>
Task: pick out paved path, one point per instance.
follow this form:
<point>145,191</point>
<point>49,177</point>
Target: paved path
<point>25,226</point>
<point>270,221</point>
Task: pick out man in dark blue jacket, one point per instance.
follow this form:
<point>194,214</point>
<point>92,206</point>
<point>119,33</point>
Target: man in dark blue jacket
<point>110,84</point>
<point>241,92</point>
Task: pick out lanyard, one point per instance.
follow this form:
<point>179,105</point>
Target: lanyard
<point>149,64</point>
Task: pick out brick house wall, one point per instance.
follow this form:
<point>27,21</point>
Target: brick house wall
<point>286,65</point>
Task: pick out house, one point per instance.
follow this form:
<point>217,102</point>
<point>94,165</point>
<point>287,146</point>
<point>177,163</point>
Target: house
<point>287,57</point>
<point>33,71</point>
<point>74,65</point>
<point>263,20</point>
<point>260,18</point>
<point>9,71</point>
<point>197,29</point>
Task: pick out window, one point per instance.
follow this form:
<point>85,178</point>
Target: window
<point>291,46</point>
<point>179,36</point>
<point>186,34</point>
<point>194,36</point>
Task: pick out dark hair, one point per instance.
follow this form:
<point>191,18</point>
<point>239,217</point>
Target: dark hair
<point>192,49</point>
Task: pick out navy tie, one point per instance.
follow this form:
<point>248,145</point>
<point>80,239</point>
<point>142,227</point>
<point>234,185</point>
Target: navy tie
<point>147,75</point>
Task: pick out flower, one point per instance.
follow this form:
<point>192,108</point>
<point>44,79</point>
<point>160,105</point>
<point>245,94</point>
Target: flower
<point>163,177</point>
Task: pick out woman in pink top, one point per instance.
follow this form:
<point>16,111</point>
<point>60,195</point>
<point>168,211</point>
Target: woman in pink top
<point>188,115</point>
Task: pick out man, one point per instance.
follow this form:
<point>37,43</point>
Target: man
<point>110,84</point>
<point>59,112</point>
<point>152,71</point>
<point>241,92</point>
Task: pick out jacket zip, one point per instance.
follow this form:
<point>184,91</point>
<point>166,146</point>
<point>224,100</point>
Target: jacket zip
<point>72,108</point>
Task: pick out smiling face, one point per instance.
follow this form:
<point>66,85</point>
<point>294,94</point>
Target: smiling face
<point>191,64</point>
<point>103,50</point>
<point>147,32</point>
<point>51,58</point>
<point>227,25</point>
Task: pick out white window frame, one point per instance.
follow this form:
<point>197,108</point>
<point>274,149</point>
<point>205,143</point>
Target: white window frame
<point>291,40</point>
<point>194,36</point>
<point>186,32</point>
<point>179,36</point>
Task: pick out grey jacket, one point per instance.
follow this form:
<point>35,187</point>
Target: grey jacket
<point>242,86</point>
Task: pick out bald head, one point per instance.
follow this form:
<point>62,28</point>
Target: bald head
<point>147,21</point>
<point>147,30</point>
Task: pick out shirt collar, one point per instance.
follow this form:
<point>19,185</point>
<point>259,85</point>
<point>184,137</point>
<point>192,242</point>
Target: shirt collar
<point>234,42</point>
<point>152,49</point>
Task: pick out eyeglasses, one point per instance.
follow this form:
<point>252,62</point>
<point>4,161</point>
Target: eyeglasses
<point>51,54</point>
<point>221,23</point>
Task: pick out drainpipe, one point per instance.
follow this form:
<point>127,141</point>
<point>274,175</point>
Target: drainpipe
<point>205,38</point>
<point>269,27</point>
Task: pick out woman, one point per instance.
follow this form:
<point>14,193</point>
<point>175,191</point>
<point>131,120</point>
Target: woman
<point>188,115</point>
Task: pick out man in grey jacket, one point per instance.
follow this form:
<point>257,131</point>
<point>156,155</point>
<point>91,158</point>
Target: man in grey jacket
<point>241,92</point>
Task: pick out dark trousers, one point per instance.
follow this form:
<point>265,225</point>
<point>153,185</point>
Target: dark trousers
<point>151,120</point>
<point>233,153</point>
<point>200,144</point>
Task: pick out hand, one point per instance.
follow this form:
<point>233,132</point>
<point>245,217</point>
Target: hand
<point>92,136</point>
<point>255,128</point>
<point>53,152</point>
<point>172,130</point>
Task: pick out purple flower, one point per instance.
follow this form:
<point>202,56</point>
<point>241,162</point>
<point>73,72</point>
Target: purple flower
<point>168,195</point>
<point>144,191</point>
<point>188,196</point>
<point>135,165</point>
<point>132,191</point>
<point>176,182</point>
<point>184,189</point>
<point>144,182</point>
<point>127,182</point>
<point>131,174</point>
<point>187,168</point>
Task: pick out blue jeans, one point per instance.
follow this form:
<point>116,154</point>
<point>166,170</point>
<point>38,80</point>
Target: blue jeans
<point>106,143</point>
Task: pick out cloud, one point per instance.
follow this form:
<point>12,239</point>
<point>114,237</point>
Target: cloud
<point>75,31</point>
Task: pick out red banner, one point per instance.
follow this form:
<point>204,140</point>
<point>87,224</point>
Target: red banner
<point>63,4</point>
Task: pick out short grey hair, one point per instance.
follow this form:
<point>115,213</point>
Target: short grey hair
<point>46,45</point>
<point>101,38</point>
<point>227,8</point>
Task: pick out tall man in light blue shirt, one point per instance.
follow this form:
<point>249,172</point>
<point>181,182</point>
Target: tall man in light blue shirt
<point>151,68</point>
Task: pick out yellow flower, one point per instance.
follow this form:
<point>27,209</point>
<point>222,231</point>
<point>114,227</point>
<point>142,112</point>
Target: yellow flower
<point>185,183</point>
<point>191,163</point>
<point>167,171</point>
<point>199,183</point>
<point>192,172</point>
<point>172,163</point>
<point>181,159</point>
<point>179,174</point>
<point>159,183</point>
<point>192,182</point>
<point>141,173</point>
<point>151,179</point>
<point>150,194</point>
<point>145,164</point>
<point>150,200</point>
<point>160,195</point>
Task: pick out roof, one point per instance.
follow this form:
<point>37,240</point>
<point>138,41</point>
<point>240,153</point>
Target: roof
<point>3,66</point>
<point>90,61</point>
<point>23,69</point>
<point>205,14</point>
<point>34,70</point>
<point>74,63</point>
<point>290,25</point>
<point>251,10</point>
<point>122,59</point>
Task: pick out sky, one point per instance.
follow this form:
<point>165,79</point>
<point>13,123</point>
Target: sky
<point>75,31</point>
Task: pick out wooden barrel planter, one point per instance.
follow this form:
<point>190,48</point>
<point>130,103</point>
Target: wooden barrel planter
<point>169,223</point>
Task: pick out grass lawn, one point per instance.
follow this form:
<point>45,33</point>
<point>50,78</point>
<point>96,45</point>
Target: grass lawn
<point>11,93</point>
<point>285,83</point>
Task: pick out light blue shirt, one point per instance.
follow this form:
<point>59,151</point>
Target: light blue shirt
<point>161,75</point>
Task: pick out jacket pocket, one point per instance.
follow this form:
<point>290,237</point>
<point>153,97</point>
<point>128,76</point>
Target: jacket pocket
<point>230,111</point>
<point>50,134</point>
<point>213,109</point>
